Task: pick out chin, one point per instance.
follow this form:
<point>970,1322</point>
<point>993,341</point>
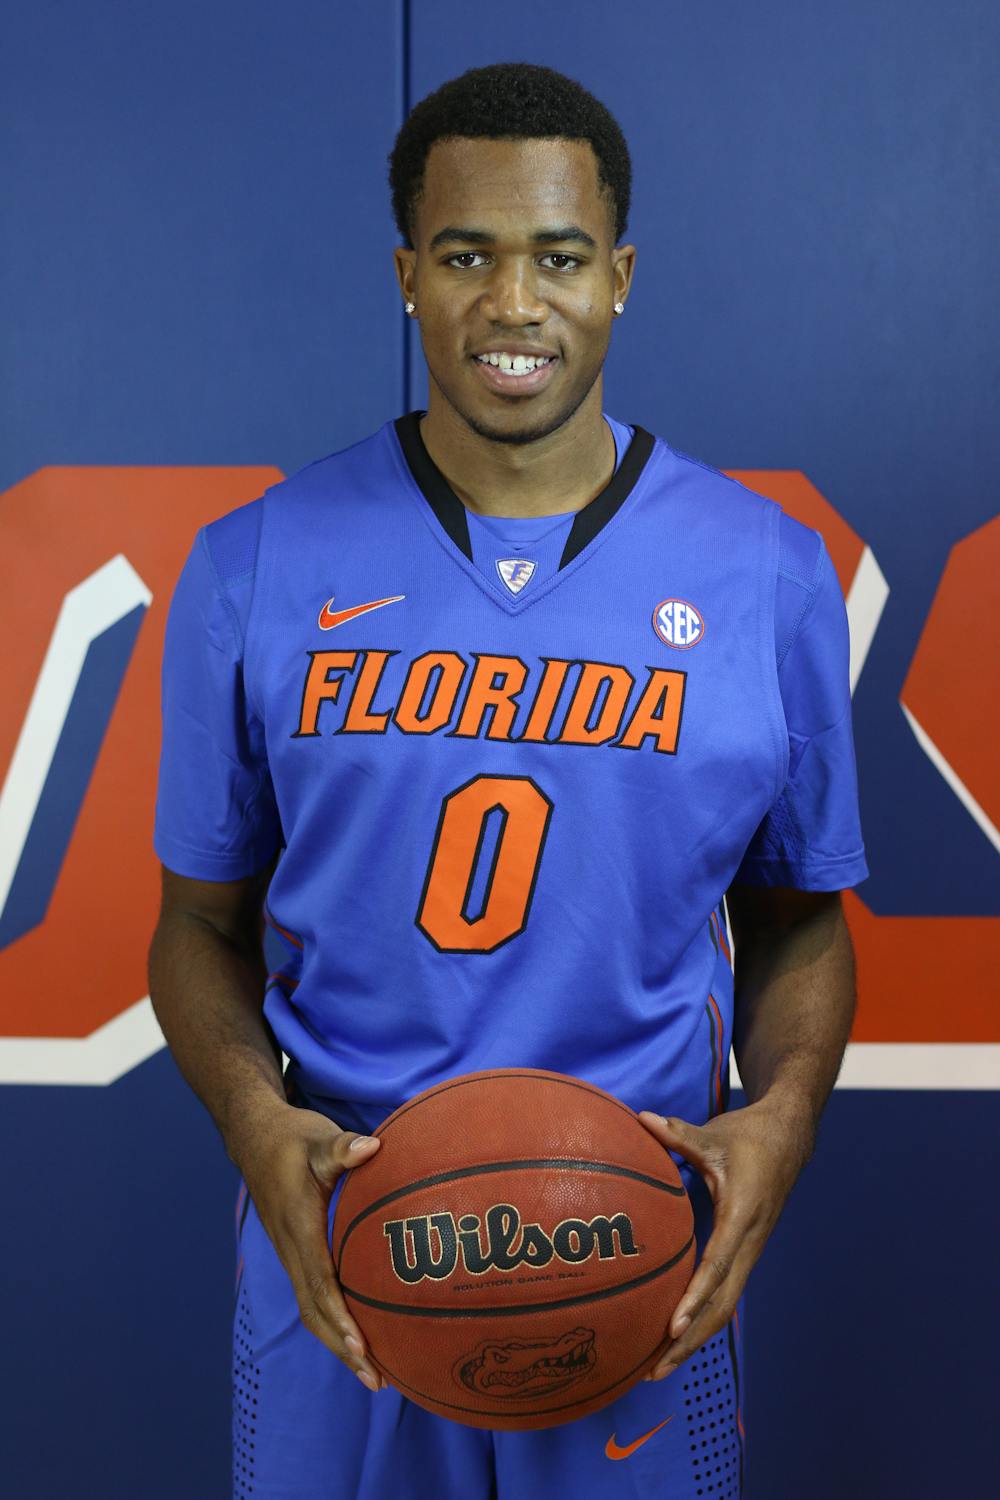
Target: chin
<point>528,430</point>
<point>519,424</point>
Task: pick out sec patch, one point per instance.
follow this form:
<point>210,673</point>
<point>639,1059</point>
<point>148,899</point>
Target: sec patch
<point>678,624</point>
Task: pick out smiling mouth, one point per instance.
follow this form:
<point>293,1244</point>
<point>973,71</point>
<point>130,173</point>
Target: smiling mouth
<point>515,375</point>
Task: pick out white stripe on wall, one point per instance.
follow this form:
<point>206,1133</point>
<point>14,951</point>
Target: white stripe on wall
<point>916,1065</point>
<point>951,776</point>
<point>865,602</point>
<point>87,611</point>
<point>109,1052</point>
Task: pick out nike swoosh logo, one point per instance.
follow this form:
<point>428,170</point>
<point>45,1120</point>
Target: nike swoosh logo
<point>612,1449</point>
<point>328,617</point>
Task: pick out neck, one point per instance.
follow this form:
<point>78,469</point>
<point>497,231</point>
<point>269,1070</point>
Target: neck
<point>561,472</point>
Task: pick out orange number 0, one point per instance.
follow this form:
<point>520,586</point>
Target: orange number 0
<point>458,848</point>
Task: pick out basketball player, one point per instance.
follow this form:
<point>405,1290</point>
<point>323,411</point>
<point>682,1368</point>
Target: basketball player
<point>488,713</point>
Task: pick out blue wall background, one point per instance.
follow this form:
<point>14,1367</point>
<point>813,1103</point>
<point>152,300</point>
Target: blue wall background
<point>197,271</point>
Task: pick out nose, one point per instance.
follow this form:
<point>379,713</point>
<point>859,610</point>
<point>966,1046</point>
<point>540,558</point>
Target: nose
<point>511,296</point>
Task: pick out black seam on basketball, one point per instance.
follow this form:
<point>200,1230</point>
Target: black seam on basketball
<point>487,1168</point>
<point>522,1308</point>
<point>537,1076</point>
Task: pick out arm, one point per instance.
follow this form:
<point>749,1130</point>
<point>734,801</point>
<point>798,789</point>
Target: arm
<point>794,1006</point>
<point>206,976</point>
<point>794,998</point>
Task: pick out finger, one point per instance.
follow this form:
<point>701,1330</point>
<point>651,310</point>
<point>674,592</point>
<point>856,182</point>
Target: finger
<point>734,1226</point>
<point>329,1160</point>
<point>321,1303</point>
<point>335,1154</point>
<point>689,1141</point>
<point>714,1316</point>
<point>322,1306</point>
<point>713,1313</point>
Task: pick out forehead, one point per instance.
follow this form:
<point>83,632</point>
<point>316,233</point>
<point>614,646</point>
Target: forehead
<point>511,187</point>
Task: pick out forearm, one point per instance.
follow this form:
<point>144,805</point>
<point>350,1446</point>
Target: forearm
<point>794,1005</point>
<point>207,991</point>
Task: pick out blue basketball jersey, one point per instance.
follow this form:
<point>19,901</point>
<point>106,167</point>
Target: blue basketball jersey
<point>509,770</point>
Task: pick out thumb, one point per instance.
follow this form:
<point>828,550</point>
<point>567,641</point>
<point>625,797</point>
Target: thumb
<point>340,1151</point>
<point>357,1148</point>
<point>678,1135</point>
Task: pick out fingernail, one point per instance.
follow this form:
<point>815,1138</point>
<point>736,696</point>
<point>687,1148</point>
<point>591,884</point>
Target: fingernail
<point>680,1325</point>
<point>354,1345</point>
<point>662,1371</point>
<point>368,1380</point>
<point>362,1140</point>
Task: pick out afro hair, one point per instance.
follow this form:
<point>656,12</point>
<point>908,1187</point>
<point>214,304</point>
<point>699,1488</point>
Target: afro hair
<point>509,101</point>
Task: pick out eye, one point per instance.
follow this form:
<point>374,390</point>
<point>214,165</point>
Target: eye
<point>463,261</point>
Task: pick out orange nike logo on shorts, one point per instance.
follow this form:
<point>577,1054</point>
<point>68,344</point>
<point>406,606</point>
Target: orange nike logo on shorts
<point>612,1450</point>
<point>328,618</point>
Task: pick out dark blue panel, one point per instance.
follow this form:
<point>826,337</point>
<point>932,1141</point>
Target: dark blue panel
<point>872,1320</point>
<point>817,288</point>
<point>118,1274</point>
<point>69,776</point>
<point>197,265</point>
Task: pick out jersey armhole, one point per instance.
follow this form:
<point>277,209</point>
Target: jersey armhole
<point>233,546</point>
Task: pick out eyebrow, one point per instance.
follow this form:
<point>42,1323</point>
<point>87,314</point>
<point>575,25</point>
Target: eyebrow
<point>565,234</point>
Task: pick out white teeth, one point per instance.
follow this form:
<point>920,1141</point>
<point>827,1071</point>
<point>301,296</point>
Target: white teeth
<point>514,364</point>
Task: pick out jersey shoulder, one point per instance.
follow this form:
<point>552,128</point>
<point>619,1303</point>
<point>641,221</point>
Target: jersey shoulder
<point>798,545</point>
<point>233,541</point>
<point>799,557</point>
<point>732,502</point>
<point>365,471</point>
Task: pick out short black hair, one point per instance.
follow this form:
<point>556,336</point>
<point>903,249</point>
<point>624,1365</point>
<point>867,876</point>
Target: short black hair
<point>509,101</point>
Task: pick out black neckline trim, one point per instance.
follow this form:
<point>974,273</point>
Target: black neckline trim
<point>436,490</point>
<point>595,516</point>
<point>453,515</point>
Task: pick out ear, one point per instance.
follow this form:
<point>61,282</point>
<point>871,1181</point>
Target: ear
<point>405,261</point>
<point>622,267</point>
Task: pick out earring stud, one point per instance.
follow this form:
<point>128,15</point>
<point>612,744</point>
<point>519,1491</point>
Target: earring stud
<point>619,309</point>
<point>411,308</point>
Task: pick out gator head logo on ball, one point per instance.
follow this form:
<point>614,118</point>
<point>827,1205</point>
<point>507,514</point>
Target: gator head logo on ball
<point>431,1245</point>
<point>519,1368</point>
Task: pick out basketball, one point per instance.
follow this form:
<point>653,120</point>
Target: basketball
<point>514,1251</point>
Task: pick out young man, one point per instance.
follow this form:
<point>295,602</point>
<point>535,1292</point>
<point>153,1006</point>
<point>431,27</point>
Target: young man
<point>519,694</point>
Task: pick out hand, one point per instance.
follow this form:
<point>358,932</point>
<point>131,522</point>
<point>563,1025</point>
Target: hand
<point>290,1164</point>
<point>749,1159</point>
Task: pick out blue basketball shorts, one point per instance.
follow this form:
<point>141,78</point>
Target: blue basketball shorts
<point>304,1427</point>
